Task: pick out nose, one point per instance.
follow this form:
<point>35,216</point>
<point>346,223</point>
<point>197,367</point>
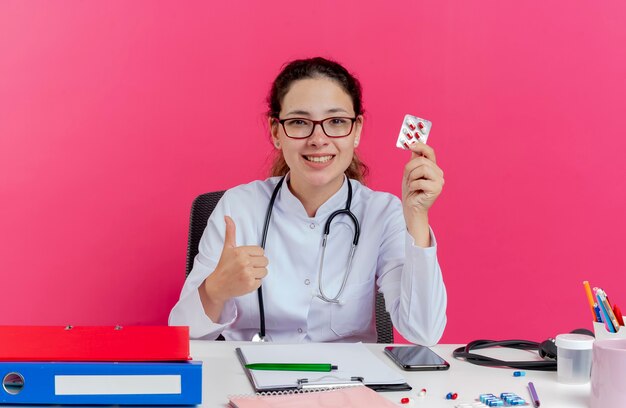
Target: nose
<point>318,137</point>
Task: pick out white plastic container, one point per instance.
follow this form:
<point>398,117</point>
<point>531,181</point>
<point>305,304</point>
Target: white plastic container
<point>574,357</point>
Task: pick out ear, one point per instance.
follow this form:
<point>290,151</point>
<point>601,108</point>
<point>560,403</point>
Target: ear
<point>273,125</point>
<point>358,126</point>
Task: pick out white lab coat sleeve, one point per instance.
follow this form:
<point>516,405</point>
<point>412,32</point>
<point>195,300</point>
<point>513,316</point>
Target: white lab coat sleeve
<point>188,311</point>
<point>411,280</point>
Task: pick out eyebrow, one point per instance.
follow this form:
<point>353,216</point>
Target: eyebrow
<point>306,113</point>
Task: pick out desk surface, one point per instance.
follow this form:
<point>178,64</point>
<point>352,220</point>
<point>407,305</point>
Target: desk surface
<point>224,376</point>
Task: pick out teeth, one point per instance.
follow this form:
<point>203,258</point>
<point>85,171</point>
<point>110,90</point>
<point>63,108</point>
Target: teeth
<point>316,159</point>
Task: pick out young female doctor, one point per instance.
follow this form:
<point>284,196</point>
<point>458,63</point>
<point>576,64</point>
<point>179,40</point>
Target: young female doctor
<point>313,238</point>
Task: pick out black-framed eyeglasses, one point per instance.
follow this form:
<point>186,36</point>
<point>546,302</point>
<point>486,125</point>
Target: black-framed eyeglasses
<point>301,128</point>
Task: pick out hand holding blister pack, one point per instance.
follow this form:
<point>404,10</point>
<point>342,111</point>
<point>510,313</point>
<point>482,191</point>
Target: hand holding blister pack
<point>413,130</point>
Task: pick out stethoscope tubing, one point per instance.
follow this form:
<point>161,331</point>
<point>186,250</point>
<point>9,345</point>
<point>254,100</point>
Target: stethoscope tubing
<point>355,242</point>
<point>259,291</point>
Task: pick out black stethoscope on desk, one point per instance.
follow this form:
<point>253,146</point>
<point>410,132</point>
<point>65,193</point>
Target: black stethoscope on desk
<point>355,241</point>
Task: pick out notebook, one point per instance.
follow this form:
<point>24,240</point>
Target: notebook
<point>357,397</point>
<point>356,365</point>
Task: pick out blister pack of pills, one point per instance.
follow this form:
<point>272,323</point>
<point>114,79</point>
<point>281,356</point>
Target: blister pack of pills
<point>506,399</point>
<point>413,130</point>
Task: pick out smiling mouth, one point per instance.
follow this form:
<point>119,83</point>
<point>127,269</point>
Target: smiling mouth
<point>318,159</point>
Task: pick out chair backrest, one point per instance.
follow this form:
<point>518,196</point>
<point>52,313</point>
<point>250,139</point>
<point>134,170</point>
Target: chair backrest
<point>202,208</point>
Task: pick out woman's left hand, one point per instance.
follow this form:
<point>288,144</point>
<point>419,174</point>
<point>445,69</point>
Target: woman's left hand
<point>422,181</point>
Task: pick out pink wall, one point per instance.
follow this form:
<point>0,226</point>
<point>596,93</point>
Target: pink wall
<point>114,115</point>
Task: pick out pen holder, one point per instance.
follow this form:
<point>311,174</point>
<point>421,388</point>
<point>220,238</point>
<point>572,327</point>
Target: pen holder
<point>602,333</point>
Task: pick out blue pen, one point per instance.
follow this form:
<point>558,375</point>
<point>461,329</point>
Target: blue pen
<point>605,315</point>
<point>608,309</point>
<point>596,309</point>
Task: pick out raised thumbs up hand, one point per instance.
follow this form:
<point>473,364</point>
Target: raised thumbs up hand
<point>230,240</point>
<point>239,270</point>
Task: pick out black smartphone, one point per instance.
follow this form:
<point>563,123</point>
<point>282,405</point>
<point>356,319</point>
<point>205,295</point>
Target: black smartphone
<point>416,358</point>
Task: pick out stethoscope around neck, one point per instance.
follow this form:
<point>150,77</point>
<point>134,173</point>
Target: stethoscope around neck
<point>322,295</point>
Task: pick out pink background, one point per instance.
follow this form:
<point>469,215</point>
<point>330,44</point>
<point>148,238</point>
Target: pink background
<point>114,115</point>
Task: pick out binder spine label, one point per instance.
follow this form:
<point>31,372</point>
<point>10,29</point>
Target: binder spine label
<point>117,384</point>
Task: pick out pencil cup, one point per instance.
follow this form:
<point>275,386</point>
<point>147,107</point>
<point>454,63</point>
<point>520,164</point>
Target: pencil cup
<point>573,358</point>
<point>602,333</point>
<point>609,371</point>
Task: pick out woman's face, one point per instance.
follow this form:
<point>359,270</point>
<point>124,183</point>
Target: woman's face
<point>319,160</point>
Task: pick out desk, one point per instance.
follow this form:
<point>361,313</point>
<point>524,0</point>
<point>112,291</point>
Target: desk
<point>224,376</point>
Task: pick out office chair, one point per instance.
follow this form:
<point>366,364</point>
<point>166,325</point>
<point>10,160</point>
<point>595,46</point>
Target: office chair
<point>202,208</point>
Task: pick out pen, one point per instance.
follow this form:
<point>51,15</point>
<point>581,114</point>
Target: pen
<point>611,322</point>
<point>605,316</point>
<point>291,367</point>
<point>590,299</point>
<point>533,395</point>
<point>610,312</point>
<point>598,314</point>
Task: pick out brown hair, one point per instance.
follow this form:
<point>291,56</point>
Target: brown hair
<point>312,68</point>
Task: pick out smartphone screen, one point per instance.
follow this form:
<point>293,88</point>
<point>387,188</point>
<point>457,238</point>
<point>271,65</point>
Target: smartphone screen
<point>416,358</point>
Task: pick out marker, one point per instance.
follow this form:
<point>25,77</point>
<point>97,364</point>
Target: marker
<point>590,299</point>
<point>533,395</point>
<point>618,315</point>
<point>291,367</point>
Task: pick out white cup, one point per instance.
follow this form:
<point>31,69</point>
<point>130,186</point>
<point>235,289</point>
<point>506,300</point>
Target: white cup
<point>609,372</point>
<point>573,358</point>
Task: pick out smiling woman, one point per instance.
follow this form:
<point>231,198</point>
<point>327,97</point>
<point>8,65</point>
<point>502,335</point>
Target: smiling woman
<point>318,68</point>
<point>316,159</point>
<point>316,197</point>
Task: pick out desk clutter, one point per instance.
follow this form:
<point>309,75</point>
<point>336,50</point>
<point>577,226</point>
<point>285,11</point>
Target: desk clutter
<point>505,399</point>
<point>147,365</point>
<point>114,365</point>
<point>353,364</point>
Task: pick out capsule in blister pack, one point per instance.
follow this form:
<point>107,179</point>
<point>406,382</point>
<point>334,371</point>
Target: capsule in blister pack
<point>506,399</point>
<point>512,399</point>
<point>413,129</point>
